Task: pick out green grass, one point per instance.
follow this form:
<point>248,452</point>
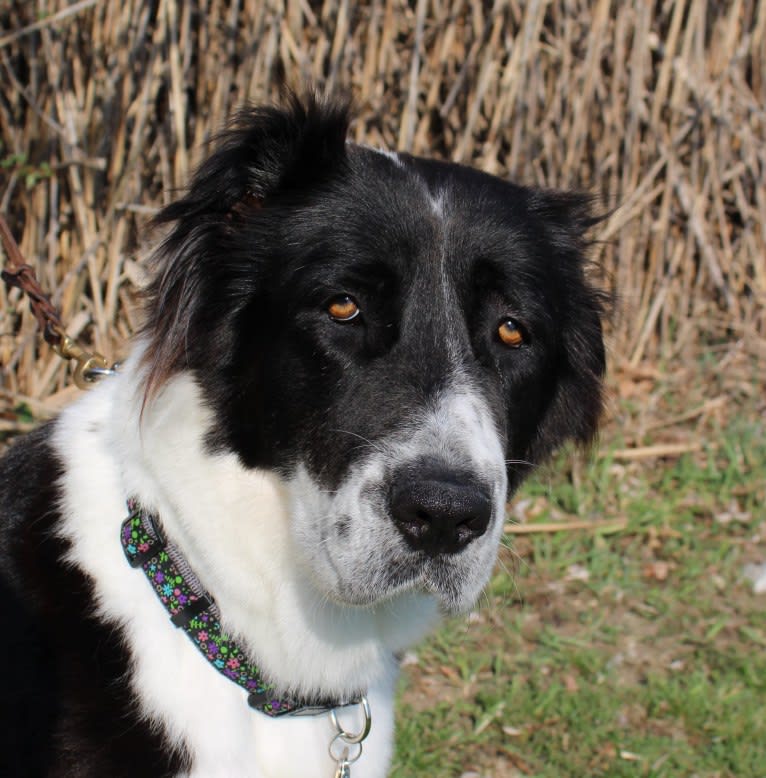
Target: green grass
<point>653,666</point>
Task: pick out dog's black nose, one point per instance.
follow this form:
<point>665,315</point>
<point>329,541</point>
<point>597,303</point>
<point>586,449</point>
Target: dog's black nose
<point>439,515</point>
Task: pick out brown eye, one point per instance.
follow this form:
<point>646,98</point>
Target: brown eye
<point>343,308</point>
<point>510,334</point>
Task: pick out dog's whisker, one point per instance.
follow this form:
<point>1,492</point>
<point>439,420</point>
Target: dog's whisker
<point>521,462</point>
<point>367,441</point>
<point>523,564</point>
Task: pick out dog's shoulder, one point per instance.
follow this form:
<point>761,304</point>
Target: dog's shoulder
<point>62,669</point>
<point>28,475</point>
<point>29,471</point>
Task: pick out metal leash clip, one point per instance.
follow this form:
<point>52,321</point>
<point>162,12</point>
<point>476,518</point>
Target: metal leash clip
<point>90,365</point>
<point>346,747</point>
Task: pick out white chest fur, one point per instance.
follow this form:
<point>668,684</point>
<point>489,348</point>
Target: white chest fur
<point>233,526</point>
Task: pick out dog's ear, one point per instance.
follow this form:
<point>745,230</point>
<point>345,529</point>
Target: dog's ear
<point>267,152</point>
<point>577,401</point>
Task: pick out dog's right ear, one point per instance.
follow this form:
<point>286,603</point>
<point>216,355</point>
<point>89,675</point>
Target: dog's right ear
<point>267,151</point>
<point>264,150</point>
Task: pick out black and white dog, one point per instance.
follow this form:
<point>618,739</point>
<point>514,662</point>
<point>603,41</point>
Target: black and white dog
<point>350,359</point>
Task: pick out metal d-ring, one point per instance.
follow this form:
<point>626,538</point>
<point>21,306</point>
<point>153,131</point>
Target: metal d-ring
<point>349,737</point>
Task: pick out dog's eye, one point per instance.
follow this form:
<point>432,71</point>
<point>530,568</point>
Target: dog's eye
<point>510,333</point>
<point>343,308</point>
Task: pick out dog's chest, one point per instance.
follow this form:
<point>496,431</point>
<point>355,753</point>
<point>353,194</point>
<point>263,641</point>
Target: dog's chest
<point>227,739</point>
<point>288,748</point>
<point>209,716</point>
<point>199,711</point>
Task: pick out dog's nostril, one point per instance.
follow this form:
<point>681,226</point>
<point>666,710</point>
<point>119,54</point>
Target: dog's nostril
<point>415,527</point>
<point>439,516</point>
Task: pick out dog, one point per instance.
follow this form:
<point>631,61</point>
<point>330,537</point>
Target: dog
<point>350,360</point>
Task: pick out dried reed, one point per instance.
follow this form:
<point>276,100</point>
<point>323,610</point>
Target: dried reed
<point>106,107</point>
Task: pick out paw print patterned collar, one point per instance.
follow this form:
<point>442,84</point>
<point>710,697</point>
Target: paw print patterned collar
<point>194,611</point>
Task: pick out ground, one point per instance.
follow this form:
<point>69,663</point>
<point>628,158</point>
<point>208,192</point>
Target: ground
<point>634,646</point>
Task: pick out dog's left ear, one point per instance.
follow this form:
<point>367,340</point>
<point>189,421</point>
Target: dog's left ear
<point>266,154</point>
<point>576,405</point>
<point>266,150</point>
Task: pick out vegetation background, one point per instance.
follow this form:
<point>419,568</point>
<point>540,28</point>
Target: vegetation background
<point>636,641</point>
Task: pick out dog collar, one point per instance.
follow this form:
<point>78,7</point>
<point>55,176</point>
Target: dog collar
<point>194,611</point>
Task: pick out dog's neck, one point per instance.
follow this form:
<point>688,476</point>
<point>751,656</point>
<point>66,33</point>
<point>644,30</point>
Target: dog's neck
<point>233,526</point>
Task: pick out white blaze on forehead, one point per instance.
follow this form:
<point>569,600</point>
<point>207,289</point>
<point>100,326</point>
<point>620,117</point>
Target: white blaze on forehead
<point>436,202</point>
<point>392,155</point>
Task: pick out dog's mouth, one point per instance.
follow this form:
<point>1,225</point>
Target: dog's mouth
<point>453,580</point>
<point>439,578</point>
<point>446,591</point>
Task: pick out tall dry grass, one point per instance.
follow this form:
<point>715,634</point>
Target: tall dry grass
<point>659,107</point>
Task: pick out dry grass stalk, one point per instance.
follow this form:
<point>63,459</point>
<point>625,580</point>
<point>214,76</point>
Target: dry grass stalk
<point>575,525</point>
<point>656,106</point>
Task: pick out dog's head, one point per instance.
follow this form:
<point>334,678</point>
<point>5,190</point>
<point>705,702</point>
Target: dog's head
<point>400,339</point>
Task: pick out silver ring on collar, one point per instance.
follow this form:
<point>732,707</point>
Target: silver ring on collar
<point>350,737</point>
<point>345,758</point>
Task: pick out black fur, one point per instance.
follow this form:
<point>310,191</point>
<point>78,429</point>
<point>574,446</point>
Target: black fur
<point>65,707</point>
